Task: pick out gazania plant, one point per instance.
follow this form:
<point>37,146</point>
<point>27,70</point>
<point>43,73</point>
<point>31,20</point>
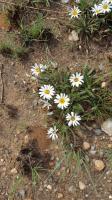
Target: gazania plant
<point>72,98</point>
<point>89,17</point>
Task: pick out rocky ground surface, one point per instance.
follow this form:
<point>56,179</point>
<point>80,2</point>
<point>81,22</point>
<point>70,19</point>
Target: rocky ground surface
<point>23,128</point>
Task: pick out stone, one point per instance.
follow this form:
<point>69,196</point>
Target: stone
<point>103,84</point>
<point>71,189</point>
<point>101,67</point>
<point>86,145</point>
<point>107,127</point>
<point>82,186</point>
<point>22,193</point>
<point>98,131</point>
<point>92,150</point>
<point>49,187</point>
<point>99,165</point>
<point>73,36</point>
<point>110,146</point>
<point>14,171</point>
<point>60,195</point>
<point>26,139</point>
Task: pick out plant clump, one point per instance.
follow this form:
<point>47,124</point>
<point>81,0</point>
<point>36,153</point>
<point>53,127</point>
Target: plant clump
<point>74,98</point>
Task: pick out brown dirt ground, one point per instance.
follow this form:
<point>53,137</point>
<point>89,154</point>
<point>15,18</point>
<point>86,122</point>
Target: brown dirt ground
<point>20,112</point>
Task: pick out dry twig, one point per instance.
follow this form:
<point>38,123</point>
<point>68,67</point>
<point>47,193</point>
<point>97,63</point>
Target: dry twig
<point>1,85</point>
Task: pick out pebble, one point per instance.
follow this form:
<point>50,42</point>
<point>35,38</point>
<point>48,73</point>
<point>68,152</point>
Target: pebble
<point>103,84</point>
<point>98,131</point>
<point>68,171</point>
<point>99,165</point>
<point>1,162</point>
<point>92,150</point>
<point>71,189</point>
<point>110,146</point>
<point>60,195</point>
<point>82,186</point>
<point>110,196</point>
<point>86,145</point>
<point>101,67</point>
<point>101,153</point>
<point>107,127</point>
<point>21,193</point>
<point>73,36</point>
<point>49,187</point>
<point>14,171</point>
<point>26,139</point>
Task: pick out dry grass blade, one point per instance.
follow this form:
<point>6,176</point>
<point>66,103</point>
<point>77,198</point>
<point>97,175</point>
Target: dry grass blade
<point>1,85</point>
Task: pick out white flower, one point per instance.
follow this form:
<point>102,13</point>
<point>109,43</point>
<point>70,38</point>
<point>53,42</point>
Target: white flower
<point>105,7</point>
<point>62,100</point>
<point>73,119</point>
<point>74,12</point>
<point>107,1</point>
<point>96,10</point>
<point>37,69</point>
<point>47,92</point>
<point>76,79</point>
<point>52,133</point>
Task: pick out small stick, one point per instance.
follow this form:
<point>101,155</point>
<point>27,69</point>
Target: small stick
<point>2,85</point>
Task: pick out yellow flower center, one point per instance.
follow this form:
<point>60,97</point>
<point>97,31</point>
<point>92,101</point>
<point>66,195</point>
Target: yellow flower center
<point>75,12</point>
<point>105,6</point>
<point>76,79</point>
<point>72,118</point>
<point>62,101</point>
<point>37,69</point>
<point>47,92</point>
<point>97,11</point>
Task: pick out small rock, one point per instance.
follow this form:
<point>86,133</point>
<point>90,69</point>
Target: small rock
<point>107,127</point>
<point>103,84</point>
<point>60,195</point>
<point>99,165</point>
<point>14,171</point>
<point>68,171</point>
<point>73,36</point>
<point>101,67</point>
<point>71,189</point>
<point>22,193</point>
<point>98,131</point>
<point>101,153</point>
<point>82,186</point>
<point>26,139</point>
<point>49,187</point>
<point>86,145</point>
<point>110,196</point>
<point>110,146</point>
<point>92,150</point>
